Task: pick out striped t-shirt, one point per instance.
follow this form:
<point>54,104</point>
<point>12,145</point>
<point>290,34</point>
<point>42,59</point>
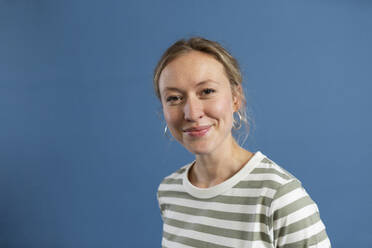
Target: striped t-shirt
<point>262,205</point>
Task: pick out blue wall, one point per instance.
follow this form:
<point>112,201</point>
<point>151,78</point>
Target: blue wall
<point>81,143</point>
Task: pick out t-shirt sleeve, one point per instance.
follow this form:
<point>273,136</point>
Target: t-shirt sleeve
<point>159,203</point>
<point>296,220</point>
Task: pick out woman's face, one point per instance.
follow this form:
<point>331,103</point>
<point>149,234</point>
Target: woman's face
<point>198,103</point>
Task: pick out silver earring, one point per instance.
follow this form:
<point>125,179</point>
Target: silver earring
<point>165,132</point>
<point>239,121</point>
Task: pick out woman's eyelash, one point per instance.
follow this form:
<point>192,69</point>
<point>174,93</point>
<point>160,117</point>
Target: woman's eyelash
<point>173,98</point>
<point>208,91</point>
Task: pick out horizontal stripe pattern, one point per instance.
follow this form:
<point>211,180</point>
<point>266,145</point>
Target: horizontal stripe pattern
<point>219,231</point>
<point>238,224</point>
<point>242,192</point>
<point>226,199</point>
<point>222,215</point>
<point>266,208</point>
<point>170,202</point>
<point>200,239</point>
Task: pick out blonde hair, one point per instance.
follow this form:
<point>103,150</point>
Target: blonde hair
<point>214,49</point>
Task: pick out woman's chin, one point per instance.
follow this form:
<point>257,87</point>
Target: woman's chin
<point>199,149</point>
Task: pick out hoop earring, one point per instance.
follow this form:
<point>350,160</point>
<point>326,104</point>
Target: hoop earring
<point>165,132</point>
<point>239,121</point>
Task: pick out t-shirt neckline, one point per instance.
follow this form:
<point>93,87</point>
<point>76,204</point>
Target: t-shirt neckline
<point>205,193</point>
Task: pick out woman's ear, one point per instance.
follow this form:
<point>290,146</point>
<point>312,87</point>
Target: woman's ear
<point>237,99</point>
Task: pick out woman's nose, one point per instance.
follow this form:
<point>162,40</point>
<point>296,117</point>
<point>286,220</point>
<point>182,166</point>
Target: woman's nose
<point>193,109</point>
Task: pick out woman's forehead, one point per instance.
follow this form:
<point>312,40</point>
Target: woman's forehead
<point>192,69</point>
<point>194,59</point>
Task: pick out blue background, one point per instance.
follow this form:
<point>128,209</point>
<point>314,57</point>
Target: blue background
<point>82,149</point>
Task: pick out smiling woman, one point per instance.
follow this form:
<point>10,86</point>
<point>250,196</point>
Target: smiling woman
<point>228,196</point>
<point>198,104</point>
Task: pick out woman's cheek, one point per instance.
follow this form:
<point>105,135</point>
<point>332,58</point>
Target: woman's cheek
<point>173,118</point>
<point>169,114</point>
<point>222,107</point>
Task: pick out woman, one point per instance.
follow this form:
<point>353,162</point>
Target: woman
<point>228,196</point>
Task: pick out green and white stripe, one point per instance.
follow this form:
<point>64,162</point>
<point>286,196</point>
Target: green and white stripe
<point>260,206</point>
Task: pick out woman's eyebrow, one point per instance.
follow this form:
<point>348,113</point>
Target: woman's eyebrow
<point>206,81</point>
<point>170,88</point>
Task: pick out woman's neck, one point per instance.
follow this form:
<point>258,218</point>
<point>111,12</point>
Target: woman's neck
<point>212,169</point>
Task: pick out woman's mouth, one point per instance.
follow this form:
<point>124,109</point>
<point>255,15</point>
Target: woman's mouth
<point>197,131</point>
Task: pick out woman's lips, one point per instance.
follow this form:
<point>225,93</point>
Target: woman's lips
<point>198,131</point>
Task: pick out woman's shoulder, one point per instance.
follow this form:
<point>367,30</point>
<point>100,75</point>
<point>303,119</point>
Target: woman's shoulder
<point>268,174</point>
<point>292,208</point>
<point>176,176</point>
<point>288,189</point>
<point>273,166</point>
<point>268,170</point>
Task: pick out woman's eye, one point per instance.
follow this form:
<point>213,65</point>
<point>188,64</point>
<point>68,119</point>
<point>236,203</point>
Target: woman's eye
<point>173,98</point>
<point>208,91</point>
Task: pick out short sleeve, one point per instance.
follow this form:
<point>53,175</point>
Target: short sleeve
<point>159,203</point>
<point>296,220</point>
